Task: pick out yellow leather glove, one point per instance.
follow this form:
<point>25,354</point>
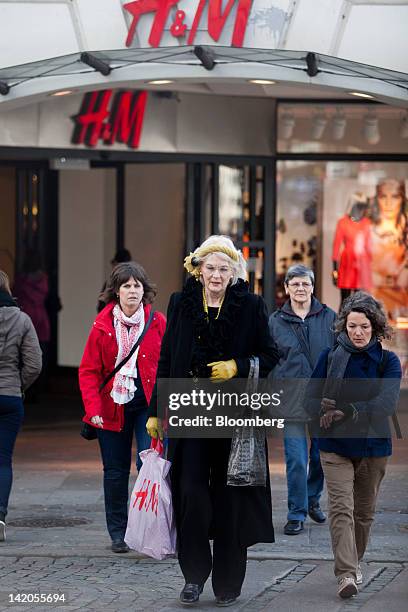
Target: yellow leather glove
<point>223,370</point>
<point>154,428</point>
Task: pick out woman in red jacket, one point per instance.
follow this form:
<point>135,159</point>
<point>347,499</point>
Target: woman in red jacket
<point>119,410</point>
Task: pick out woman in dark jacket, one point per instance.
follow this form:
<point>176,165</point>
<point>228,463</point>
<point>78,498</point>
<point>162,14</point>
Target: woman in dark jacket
<point>20,365</point>
<point>354,389</point>
<point>214,326</point>
<point>119,410</point>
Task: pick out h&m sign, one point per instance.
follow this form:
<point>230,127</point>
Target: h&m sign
<point>217,18</point>
<point>110,116</point>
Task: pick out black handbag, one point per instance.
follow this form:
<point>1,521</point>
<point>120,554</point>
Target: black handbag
<point>88,432</point>
<point>247,459</point>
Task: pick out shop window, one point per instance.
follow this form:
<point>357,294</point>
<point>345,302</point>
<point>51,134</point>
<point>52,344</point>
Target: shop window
<point>352,216</point>
<point>347,128</point>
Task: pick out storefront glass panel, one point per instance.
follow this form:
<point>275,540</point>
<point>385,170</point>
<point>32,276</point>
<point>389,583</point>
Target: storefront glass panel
<point>350,217</point>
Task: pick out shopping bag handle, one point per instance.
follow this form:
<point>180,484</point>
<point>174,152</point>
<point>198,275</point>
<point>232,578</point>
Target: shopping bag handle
<point>157,445</point>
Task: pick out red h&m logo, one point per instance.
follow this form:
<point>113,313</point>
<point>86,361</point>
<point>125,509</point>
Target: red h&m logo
<point>122,122</point>
<point>216,19</point>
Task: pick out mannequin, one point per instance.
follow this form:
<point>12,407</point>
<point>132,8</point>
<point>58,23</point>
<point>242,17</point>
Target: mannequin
<point>352,249</point>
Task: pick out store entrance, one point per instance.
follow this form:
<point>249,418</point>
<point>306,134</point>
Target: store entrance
<point>236,200</point>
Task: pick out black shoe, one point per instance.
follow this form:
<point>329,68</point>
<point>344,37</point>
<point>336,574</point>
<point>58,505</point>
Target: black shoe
<point>226,600</point>
<point>119,546</point>
<point>293,527</point>
<point>317,514</point>
<point>191,593</point>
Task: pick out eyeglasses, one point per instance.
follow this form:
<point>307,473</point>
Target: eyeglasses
<point>300,285</point>
<point>223,270</point>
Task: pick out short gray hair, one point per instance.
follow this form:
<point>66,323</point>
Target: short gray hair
<point>299,270</point>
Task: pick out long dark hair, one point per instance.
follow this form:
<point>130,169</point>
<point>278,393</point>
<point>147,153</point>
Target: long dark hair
<point>120,275</point>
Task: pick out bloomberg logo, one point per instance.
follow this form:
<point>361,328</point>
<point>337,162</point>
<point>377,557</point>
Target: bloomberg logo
<point>110,116</point>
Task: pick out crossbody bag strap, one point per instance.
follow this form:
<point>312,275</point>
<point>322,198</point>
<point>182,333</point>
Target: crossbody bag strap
<point>129,355</point>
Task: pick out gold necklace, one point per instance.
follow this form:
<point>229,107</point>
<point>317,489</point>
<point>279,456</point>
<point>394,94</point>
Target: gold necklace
<point>205,306</point>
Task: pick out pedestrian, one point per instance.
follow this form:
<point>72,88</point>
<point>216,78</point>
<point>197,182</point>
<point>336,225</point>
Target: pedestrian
<point>355,442</point>
<point>119,410</point>
<point>302,328</point>
<point>214,326</point>
<point>31,289</point>
<point>20,365</point>
<point>121,256</point>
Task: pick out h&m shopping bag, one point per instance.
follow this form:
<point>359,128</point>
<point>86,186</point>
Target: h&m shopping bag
<point>151,529</point>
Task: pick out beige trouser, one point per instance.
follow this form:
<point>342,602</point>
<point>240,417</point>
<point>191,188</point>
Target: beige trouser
<point>352,486</point>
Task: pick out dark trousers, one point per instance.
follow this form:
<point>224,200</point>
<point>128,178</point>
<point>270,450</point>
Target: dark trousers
<point>11,418</point>
<point>116,452</point>
<point>203,500</point>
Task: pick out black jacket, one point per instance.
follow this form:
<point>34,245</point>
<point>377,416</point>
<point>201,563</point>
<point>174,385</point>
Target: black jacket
<point>240,331</point>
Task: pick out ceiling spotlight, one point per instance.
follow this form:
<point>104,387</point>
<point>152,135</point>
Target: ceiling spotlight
<point>159,82</point>
<point>287,125</point>
<point>312,64</point>
<point>404,126</point>
<point>96,63</point>
<point>65,92</point>
<point>206,57</point>
<point>262,82</point>
<point>371,131</point>
<point>4,88</point>
<point>360,94</point>
<point>339,123</point>
<point>318,125</point>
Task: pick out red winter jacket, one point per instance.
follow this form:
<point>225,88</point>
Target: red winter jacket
<point>99,360</point>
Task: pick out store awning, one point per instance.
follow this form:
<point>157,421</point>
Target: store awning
<point>132,67</point>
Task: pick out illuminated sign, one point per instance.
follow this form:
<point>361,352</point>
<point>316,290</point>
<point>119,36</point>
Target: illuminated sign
<point>110,117</point>
<point>216,19</point>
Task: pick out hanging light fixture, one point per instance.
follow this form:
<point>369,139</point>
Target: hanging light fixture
<point>287,125</point>
<point>339,123</point>
<point>371,130</point>
<point>318,125</point>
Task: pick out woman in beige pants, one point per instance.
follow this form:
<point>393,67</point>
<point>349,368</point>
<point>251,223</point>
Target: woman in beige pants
<point>354,389</point>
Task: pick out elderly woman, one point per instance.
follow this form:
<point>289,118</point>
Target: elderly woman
<point>20,365</point>
<point>214,326</point>
<point>118,411</point>
<point>355,440</point>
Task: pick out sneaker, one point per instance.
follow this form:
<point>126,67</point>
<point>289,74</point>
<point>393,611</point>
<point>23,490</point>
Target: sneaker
<point>359,575</point>
<point>316,513</point>
<point>347,587</point>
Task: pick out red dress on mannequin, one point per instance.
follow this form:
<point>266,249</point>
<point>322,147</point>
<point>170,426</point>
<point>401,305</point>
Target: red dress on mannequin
<point>352,249</point>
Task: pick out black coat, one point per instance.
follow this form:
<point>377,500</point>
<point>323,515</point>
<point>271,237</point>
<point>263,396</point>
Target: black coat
<point>240,331</point>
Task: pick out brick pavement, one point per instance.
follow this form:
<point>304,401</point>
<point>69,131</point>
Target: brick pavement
<point>59,476</point>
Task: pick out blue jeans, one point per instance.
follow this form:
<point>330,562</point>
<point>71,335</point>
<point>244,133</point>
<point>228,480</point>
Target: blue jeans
<point>116,452</point>
<point>11,418</point>
<point>304,472</point>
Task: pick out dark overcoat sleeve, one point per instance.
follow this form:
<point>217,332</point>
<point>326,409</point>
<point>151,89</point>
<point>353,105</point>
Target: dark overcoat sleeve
<point>164,365</point>
<point>264,346</point>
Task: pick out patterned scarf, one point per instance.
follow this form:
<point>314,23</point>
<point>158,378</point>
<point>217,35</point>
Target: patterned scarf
<point>124,387</point>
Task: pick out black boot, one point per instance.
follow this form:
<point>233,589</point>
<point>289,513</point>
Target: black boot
<point>191,593</point>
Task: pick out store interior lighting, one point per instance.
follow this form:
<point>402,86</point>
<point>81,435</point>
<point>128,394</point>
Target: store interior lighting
<point>371,130</point>
<point>360,94</point>
<point>287,125</point>
<point>318,126</point>
<point>404,126</point>
<point>339,123</point>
